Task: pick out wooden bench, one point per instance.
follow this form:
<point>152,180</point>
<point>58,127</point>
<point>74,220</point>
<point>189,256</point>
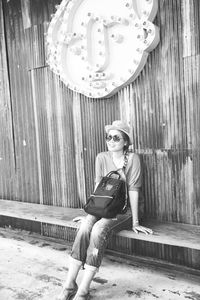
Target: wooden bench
<point>171,242</point>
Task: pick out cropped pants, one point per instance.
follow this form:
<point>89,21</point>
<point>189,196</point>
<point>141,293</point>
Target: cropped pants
<point>92,238</point>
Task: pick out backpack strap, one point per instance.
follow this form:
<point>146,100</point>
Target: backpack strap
<point>123,169</point>
<point>114,172</point>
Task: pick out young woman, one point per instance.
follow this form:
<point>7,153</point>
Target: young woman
<point>92,236</point>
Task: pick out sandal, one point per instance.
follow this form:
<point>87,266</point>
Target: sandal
<point>68,293</point>
<point>82,297</point>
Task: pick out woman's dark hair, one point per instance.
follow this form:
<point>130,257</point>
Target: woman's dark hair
<point>126,139</point>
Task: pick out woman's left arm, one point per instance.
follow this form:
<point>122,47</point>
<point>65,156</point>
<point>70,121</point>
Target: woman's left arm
<point>134,197</point>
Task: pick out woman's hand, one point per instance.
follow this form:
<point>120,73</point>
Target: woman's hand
<point>78,219</point>
<point>138,228</point>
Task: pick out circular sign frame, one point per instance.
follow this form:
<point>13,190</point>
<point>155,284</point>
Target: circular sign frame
<point>99,46</point>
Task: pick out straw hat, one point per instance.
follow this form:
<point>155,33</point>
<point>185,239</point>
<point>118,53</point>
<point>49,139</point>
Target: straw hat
<point>122,126</point>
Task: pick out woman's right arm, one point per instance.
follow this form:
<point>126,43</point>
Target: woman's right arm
<point>136,227</point>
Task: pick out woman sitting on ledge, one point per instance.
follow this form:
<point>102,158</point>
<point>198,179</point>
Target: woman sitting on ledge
<point>92,236</point>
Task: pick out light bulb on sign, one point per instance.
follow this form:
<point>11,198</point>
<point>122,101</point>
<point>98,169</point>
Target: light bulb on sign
<point>88,39</point>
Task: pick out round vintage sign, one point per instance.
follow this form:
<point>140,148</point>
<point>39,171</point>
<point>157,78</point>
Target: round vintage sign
<point>98,46</point>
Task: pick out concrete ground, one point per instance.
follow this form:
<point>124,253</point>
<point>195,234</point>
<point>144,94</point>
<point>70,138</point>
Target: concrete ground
<point>32,267</point>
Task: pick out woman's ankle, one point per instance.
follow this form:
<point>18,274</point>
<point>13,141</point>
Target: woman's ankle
<point>82,292</point>
<point>70,284</point>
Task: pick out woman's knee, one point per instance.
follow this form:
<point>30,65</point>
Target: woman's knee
<point>99,231</point>
<point>87,224</point>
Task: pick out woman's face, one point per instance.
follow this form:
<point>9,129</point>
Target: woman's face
<point>115,141</point>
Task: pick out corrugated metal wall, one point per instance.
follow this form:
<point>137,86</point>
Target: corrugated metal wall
<point>50,135</point>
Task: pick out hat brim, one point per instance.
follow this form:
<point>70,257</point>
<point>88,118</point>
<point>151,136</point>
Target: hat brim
<point>113,127</point>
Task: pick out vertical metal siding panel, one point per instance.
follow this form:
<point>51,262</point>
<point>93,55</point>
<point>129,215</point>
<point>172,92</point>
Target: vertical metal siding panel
<point>175,80</point>
<point>169,188</point>
<point>139,124</point>
<point>162,105</point>
<point>36,123</point>
<point>78,144</point>
<point>34,38</point>
<point>182,102</point>
<point>66,132</point>
<point>156,183</point>
<point>25,176</point>
<point>70,158</point>
<point>40,104</point>
<point>190,13</point>
<point>96,113</point>
<point>151,124</point>
<point>191,90</point>
<point>192,87</point>
<point>161,186</point>
<point>147,174</point>
<point>7,150</point>
<point>48,111</point>
<point>25,7</point>
<point>167,98</point>
<point>56,142</point>
<point>134,119</point>
<point>66,129</point>
<point>61,145</point>
<point>28,141</point>
<point>19,115</point>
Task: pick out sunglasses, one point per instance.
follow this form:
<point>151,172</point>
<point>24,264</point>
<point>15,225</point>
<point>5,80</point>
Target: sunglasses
<point>115,138</point>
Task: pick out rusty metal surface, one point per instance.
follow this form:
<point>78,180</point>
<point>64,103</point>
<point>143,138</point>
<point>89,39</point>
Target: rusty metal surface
<point>57,133</point>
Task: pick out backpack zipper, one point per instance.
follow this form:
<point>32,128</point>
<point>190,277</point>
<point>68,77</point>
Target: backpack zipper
<point>101,196</point>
